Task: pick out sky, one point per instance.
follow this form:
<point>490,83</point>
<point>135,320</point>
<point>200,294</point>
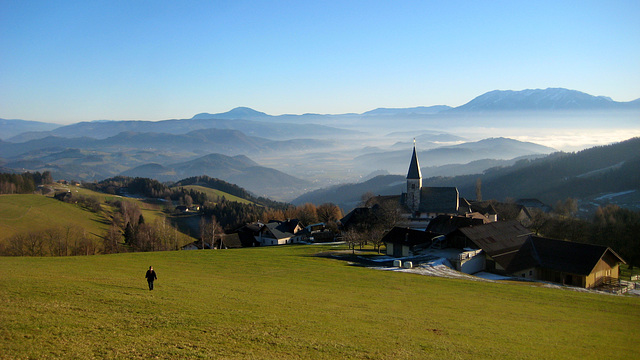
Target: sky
<point>69,61</point>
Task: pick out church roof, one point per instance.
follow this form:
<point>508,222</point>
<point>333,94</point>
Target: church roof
<point>414,167</point>
<point>442,200</point>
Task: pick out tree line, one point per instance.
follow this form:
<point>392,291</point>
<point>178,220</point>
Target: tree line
<point>25,183</point>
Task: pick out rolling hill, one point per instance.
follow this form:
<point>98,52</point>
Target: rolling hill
<point>238,170</point>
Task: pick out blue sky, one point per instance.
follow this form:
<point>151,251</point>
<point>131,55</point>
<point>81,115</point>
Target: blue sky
<point>69,61</point>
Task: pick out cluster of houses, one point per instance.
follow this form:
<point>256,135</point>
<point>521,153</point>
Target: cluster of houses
<point>437,218</point>
<point>430,218</point>
<point>272,233</point>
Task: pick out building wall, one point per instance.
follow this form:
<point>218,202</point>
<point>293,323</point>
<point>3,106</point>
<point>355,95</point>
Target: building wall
<point>473,263</point>
<point>413,194</point>
<point>391,248</point>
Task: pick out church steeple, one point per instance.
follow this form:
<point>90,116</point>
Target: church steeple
<point>414,166</point>
<point>414,182</point>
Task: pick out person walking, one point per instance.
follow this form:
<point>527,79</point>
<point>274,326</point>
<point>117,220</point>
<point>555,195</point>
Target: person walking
<point>151,275</point>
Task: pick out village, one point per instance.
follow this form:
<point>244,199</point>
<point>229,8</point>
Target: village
<point>434,231</point>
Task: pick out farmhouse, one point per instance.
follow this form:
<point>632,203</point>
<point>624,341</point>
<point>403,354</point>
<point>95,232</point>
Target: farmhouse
<point>499,242</point>
<point>405,242</point>
<point>509,248</point>
<point>280,233</point>
<point>196,245</point>
<point>568,263</point>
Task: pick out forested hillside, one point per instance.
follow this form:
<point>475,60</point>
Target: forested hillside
<point>588,173</point>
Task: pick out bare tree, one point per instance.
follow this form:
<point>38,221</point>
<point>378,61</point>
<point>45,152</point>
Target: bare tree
<point>307,214</point>
<point>329,212</point>
<point>352,238</point>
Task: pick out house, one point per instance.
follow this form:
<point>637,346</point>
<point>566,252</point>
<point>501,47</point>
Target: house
<point>499,241</point>
<point>196,245</point>
<point>405,242</point>
<point>248,234</point>
<point>446,224</point>
<point>281,233</point>
<point>534,204</point>
<point>508,248</point>
<point>228,241</point>
<point>486,209</point>
<point>567,263</point>
<point>317,233</point>
<point>361,217</point>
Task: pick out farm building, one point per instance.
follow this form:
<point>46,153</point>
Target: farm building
<point>404,242</point>
<point>280,233</point>
<point>509,248</point>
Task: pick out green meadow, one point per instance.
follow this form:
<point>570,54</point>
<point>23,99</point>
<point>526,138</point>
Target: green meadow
<point>24,213</point>
<point>285,303</point>
<point>216,194</point>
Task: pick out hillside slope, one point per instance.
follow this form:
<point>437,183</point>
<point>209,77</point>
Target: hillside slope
<point>220,304</point>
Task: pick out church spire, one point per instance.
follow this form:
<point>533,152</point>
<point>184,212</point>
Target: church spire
<point>414,166</point>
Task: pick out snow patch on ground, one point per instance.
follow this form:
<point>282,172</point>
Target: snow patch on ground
<point>610,196</point>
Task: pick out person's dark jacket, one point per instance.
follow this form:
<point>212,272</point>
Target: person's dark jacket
<point>151,275</point>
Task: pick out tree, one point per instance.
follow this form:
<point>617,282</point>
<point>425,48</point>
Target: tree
<point>566,208</point>
<point>375,235</point>
<point>329,212</point>
<point>209,229</point>
<point>352,238</point>
<point>112,239</point>
<point>307,214</point>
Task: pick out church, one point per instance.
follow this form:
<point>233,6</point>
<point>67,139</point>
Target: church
<point>425,203</point>
<point>419,204</point>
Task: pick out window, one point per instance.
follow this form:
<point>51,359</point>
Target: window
<point>530,272</point>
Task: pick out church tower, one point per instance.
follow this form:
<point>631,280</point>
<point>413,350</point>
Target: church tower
<point>414,182</point>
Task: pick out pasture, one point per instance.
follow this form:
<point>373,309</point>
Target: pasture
<point>285,303</point>
<point>25,212</point>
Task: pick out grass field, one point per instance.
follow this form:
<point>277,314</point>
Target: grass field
<point>283,302</point>
<point>214,193</point>
<point>24,213</point>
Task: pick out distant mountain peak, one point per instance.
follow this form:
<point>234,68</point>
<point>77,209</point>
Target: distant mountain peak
<point>539,99</point>
<point>235,113</point>
<point>421,110</point>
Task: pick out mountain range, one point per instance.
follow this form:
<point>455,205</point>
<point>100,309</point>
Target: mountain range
<point>257,123</point>
<point>291,154</point>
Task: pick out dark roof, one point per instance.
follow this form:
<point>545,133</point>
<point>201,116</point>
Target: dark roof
<point>231,241</point>
<point>360,216</point>
<point>439,200</point>
<point>560,255</point>
<point>198,244</point>
<point>408,237</point>
<point>283,229</point>
<point>534,203</point>
<point>483,208</point>
<point>501,240</point>
<point>414,167</point>
<point>446,224</point>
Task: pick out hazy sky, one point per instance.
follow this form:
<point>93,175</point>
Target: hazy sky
<point>69,61</point>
